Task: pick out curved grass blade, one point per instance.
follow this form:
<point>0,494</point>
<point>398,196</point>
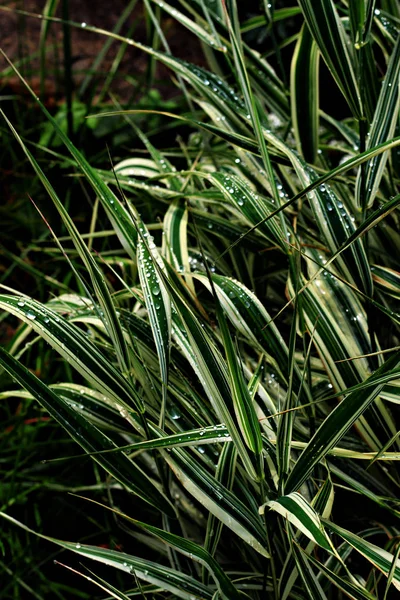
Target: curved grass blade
<point>191,25</point>
<point>250,205</point>
<point>210,369</point>
<point>181,585</point>
<point>162,163</point>
<point>248,315</point>
<point>232,20</point>
<point>225,474</point>
<point>381,130</point>
<point>352,591</point>
<point>88,436</point>
<point>346,166</point>
<point>261,74</point>
<point>302,515</point>
<point>391,573</point>
<point>216,498</point>
<point>386,280</point>
<point>304,95</point>
<point>74,346</point>
<point>242,401</point>
<point>190,549</point>
<point>97,277</point>
<point>322,504</point>
<point>380,558</point>
<point>157,303</point>
<point>336,425</point>
<point>327,29</point>
<point>342,332</point>
<point>175,248</point>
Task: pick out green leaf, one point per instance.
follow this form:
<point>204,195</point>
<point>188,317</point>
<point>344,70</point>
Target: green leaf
<point>69,341</point>
<point>211,371</point>
<point>336,425</point>
<point>381,130</point>
<point>353,591</point>
<point>191,25</point>
<point>191,550</point>
<point>386,562</point>
<point>242,401</point>
<point>157,302</point>
<point>181,585</point>
<point>250,205</point>
<point>302,515</point>
<point>88,436</point>
<point>304,95</point>
<point>175,248</point>
<point>327,29</point>
<point>97,277</point>
<point>310,581</point>
<point>216,498</point>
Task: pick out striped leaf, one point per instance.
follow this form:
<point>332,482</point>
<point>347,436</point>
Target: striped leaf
<point>216,498</point>
<point>310,581</point>
<point>243,403</point>
<point>304,95</point>
<point>88,436</point>
<point>211,371</point>
<point>253,208</point>
<point>302,515</point>
<point>175,248</point>
<point>327,29</point>
<point>157,303</point>
<point>380,558</point>
<point>382,129</point>
<point>97,277</point>
<point>181,585</point>
<point>336,425</point>
<point>191,25</point>
<point>71,343</point>
<point>387,280</point>
<point>191,550</point>
<point>353,591</point>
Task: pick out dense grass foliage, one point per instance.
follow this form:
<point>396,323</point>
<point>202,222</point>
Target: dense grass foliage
<point>211,355</point>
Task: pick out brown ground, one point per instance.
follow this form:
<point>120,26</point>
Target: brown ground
<point>20,39</point>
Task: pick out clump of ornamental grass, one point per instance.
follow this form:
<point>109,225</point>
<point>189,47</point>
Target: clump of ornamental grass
<point>234,358</point>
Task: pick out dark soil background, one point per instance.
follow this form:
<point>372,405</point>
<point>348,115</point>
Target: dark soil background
<point>21,34</point>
